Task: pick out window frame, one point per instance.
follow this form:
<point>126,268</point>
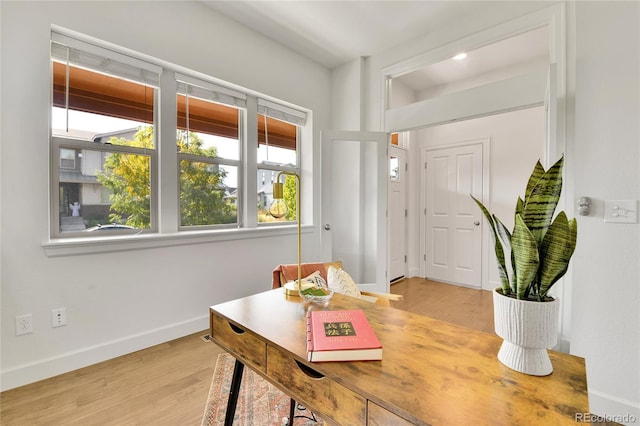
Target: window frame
<point>166,228</point>
<point>73,167</point>
<point>229,98</point>
<point>59,142</point>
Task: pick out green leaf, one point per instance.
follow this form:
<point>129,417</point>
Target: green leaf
<point>505,238</point>
<point>519,206</point>
<point>502,269</point>
<point>526,257</point>
<point>536,174</point>
<point>542,201</point>
<point>557,248</point>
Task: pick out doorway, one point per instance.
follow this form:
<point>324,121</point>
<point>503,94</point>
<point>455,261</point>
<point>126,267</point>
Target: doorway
<point>397,213</point>
<point>354,205</point>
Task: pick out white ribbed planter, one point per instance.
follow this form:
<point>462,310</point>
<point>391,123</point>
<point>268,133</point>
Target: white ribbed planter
<point>528,329</point>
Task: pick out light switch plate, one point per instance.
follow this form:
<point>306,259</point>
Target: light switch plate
<point>621,211</point>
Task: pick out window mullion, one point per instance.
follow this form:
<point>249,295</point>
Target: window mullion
<point>250,170</point>
<point>168,180</point>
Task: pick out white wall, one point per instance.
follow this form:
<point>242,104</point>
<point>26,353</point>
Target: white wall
<point>123,301</point>
<point>606,151</point>
<point>346,92</point>
<point>602,161</point>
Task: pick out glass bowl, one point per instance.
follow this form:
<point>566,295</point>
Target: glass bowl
<point>316,294</point>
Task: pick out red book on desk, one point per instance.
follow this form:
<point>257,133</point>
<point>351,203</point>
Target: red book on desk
<point>341,336</point>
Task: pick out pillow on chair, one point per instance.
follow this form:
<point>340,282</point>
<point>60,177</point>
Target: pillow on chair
<point>315,279</point>
<point>341,282</point>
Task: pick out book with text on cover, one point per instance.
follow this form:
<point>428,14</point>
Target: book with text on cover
<point>341,336</point>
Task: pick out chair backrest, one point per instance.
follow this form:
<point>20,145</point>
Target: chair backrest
<point>285,273</point>
<point>290,272</point>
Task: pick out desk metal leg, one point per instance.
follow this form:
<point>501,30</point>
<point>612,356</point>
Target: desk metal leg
<point>233,393</point>
<point>292,411</point>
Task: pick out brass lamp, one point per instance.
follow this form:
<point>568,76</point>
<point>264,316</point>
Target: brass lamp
<point>278,209</point>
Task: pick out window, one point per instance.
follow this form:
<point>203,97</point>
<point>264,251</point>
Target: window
<point>278,134</point>
<point>103,116</point>
<point>108,138</point>
<point>208,139</point>
<point>67,158</point>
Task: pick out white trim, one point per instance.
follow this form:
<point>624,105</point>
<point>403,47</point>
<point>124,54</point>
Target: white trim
<point>502,96</point>
<point>609,406</point>
<point>53,366</point>
<point>80,246</point>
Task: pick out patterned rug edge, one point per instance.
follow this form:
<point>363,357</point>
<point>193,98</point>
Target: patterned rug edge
<point>259,402</point>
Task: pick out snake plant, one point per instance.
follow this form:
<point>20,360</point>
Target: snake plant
<point>540,247</point>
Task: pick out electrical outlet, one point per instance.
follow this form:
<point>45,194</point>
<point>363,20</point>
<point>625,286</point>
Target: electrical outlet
<point>58,317</point>
<point>24,324</point>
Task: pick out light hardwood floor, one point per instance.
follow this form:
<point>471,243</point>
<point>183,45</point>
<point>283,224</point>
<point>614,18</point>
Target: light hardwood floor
<point>168,384</point>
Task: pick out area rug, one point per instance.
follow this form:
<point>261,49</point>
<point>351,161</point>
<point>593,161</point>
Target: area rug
<point>259,402</point>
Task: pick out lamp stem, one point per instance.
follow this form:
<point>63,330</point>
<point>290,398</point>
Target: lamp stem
<point>298,205</point>
<point>298,218</point>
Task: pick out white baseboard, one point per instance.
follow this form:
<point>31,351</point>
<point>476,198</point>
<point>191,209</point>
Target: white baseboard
<point>50,367</point>
<point>413,272</point>
<point>613,409</point>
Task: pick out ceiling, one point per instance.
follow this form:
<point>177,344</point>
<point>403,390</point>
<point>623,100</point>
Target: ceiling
<point>335,32</point>
<point>506,58</point>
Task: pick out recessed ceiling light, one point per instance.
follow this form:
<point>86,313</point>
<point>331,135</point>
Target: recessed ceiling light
<point>460,56</point>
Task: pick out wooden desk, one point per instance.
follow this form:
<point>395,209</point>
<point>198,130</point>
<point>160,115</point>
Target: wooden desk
<point>432,372</point>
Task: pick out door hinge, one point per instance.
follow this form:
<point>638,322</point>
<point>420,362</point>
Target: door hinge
<point>406,213</point>
<point>424,256</point>
<point>425,211</point>
<point>425,165</point>
<point>405,258</point>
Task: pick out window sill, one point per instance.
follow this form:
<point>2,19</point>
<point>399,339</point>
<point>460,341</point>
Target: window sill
<point>79,246</point>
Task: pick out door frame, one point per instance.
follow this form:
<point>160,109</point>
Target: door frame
<point>486,195</point>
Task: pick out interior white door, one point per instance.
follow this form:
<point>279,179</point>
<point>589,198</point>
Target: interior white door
<point>397,212</point>
<point>354,205</point>
<point>453,239</point>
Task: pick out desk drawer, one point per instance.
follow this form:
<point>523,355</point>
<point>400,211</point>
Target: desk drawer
<point>330,399</point>
<point>247,346</point>
<point>378,416</point>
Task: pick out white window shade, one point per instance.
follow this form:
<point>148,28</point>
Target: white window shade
<point>282,112</point>
<point>74,52</point>
<point>196,88</point>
